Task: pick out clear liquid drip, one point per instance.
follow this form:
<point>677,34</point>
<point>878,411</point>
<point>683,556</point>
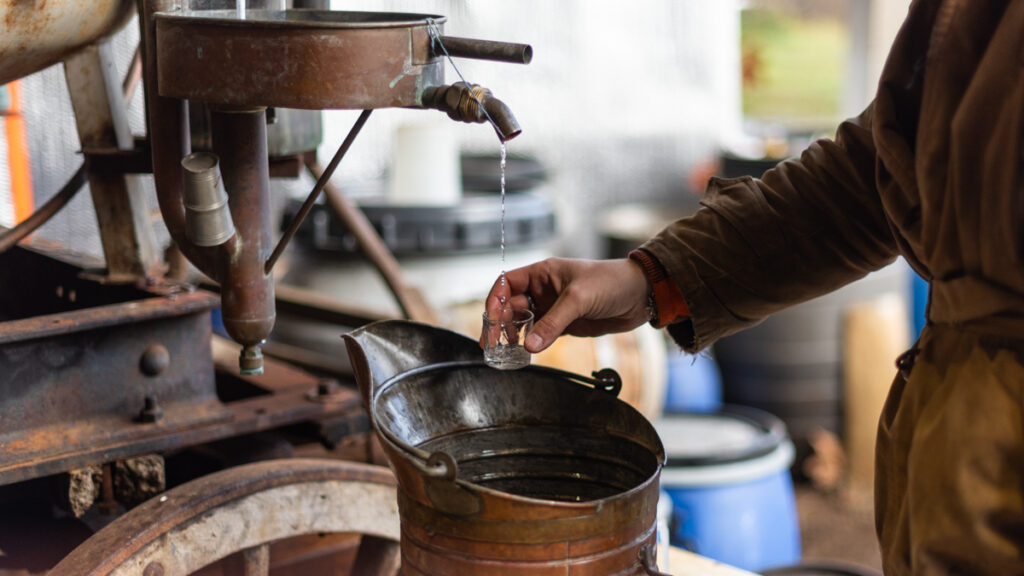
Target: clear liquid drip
<point>504,162</point>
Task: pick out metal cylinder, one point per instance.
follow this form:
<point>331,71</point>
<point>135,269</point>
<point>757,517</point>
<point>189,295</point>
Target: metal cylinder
<point>247,292</point>
<point>207,217</point>
<point>483,49</point>
<point>38,34</point>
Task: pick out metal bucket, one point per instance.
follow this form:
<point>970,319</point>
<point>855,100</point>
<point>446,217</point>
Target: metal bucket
<point>535,471</point>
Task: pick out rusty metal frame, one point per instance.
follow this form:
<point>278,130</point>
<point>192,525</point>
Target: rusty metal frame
<point>78,378</point>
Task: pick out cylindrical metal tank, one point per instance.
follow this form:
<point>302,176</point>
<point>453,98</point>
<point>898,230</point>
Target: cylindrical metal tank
<point>34,35</point>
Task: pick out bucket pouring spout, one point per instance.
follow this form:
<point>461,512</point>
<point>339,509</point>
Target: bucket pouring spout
<point>382,350</point>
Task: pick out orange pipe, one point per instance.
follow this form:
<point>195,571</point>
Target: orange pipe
<point>17,155</point>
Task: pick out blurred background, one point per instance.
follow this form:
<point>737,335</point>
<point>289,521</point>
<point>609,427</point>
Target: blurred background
<point>627,109</point>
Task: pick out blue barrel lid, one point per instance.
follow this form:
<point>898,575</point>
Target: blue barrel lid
<point>732,434</point>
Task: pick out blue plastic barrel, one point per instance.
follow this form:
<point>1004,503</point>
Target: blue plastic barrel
<point>732,495</point>
<point>919,299</point>
<point>694,383</point>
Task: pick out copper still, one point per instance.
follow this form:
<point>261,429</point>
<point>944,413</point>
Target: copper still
<point>535,471</point>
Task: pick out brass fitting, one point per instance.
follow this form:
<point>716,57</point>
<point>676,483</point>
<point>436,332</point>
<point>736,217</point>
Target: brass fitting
<point>473,103</point>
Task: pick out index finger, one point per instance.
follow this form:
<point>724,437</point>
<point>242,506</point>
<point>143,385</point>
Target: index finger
<point>506,286</point>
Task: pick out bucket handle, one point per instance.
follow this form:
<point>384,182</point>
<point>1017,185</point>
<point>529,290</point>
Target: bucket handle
<point>646,555</point>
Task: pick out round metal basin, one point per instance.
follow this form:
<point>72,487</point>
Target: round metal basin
<point>34,35</point>
<point>313,59</point>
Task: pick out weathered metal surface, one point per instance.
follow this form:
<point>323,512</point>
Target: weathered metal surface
<point>291,133</point>
<point>253,561</point>
<point>473,103</point>
<point>207,218</point>
<point>73,384</point>
<point>37,34</point>
<point>309,59</point>
<point>92,442</point>
<point>247,291</point>
<point>238,509</point>
<point>129,244</point>
<point>482,49</point>
<point>523,472</point>
<point>170,142</point>
<point>77,382</point>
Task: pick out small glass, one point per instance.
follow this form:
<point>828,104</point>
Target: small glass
<point>504,335</point>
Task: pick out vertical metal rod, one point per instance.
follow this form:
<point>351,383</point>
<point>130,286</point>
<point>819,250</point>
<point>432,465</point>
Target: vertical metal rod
<point>253,561</point>
<point>324,178</point>
<point>247,293</point>
<point>257,560</point>
<point>169,138</point>
<point>413,304</point>
<point>134,75</point>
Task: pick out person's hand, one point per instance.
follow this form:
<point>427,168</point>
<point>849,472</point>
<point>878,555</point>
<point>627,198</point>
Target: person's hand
<point>577,297</point>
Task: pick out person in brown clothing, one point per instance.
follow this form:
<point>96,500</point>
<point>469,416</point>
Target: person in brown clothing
<point>933,170</point>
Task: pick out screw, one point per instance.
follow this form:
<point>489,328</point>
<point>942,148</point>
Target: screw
<point>153,569</point>
<point>151,411</point>
<point>325,387</point>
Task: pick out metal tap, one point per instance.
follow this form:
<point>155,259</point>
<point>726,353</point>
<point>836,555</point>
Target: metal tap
<point>473,103</point>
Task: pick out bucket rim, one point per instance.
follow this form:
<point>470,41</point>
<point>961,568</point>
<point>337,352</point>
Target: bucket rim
<point>441,465</point>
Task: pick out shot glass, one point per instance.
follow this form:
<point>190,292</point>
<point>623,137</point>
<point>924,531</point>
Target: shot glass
<point>504,335</point>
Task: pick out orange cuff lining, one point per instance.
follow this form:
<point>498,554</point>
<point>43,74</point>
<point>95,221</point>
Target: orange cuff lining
<point>668,298</point>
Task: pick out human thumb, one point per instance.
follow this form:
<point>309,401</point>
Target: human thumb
<point>550,326</point>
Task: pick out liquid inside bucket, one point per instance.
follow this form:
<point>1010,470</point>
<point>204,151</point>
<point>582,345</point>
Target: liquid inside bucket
<point>528,432</point>
<point>547,462</point>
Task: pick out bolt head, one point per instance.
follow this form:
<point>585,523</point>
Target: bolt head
<point>155,359</point>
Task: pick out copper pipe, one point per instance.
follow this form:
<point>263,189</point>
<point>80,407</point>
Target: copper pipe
<point>247,292</point>
<point>482,49</point>
<point>169,139</point>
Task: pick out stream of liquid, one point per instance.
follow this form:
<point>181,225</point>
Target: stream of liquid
<point>504,163</point>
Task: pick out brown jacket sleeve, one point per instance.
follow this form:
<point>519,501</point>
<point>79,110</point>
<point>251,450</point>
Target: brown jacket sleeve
<point>805,228</point>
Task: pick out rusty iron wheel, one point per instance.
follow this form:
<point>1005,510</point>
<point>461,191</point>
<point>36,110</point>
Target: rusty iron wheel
<point>238,513</point>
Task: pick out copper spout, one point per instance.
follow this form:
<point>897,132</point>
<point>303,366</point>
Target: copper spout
<point>473,103</point>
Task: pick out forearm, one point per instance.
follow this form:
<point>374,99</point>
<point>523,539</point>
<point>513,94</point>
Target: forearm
<point>759,245</point>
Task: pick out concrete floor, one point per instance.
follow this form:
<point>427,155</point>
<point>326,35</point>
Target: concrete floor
<point>838,526</point>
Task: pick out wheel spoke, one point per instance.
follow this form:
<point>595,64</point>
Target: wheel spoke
<point>377,556</point>
<point>237,514</point>
<point>254,561</point>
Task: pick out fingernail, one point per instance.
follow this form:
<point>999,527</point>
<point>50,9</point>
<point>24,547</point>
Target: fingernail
<point>534,342</point>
